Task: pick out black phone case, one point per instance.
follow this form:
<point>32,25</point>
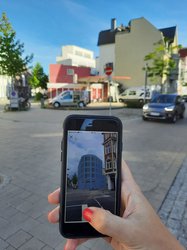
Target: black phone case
<point>84,230</point>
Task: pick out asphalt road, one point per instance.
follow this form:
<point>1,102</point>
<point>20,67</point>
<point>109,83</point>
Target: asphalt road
<point>30,166</point>
<point>77,200</point>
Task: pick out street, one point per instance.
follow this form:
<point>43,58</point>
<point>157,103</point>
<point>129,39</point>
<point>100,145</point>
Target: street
<point>77,200</point>
<point>30,148</point>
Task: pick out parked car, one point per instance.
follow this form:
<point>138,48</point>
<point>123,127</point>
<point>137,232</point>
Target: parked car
<point>164,107</point>
<point>71,98</point>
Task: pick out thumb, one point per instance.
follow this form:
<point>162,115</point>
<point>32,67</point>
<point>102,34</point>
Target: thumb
<point>104,221</point>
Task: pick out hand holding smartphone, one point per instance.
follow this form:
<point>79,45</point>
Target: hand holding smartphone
<point>91,170</point>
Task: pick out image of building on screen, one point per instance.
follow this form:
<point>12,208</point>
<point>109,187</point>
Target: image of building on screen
<point>90,173</point>
<point>110,158</point>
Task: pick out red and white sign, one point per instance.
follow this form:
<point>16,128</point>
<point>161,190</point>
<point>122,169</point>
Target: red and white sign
<point>108,71</point>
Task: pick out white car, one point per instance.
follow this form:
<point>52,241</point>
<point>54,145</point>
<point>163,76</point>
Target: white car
<point>70,98</point>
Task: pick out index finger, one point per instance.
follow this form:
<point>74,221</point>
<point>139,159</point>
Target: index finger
<point>54,197</point>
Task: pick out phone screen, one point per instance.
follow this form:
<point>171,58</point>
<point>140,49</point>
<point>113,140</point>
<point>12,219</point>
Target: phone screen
<point>91,172</point>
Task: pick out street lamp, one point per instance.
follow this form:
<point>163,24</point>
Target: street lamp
<point>145,83</point>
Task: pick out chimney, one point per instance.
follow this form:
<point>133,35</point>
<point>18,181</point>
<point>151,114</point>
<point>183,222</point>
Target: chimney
<point>113,23</point>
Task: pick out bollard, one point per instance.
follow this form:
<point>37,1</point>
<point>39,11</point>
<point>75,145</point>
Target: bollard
<point>42,102</point>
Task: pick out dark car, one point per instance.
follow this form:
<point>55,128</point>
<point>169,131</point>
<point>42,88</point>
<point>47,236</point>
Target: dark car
<point>184,97</point>
<point>164,107</point>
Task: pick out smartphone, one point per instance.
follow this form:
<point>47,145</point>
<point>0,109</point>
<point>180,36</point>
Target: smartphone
<point>91,171</point>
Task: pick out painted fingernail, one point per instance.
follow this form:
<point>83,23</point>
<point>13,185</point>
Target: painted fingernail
<point>87,214</point>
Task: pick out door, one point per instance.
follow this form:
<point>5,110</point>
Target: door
<point>66,99</point>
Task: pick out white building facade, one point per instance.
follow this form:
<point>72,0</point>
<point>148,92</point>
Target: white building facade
<point>125,47</point>
<point>182,81</point>
<point>106,55</point>
<point>76,56</point>
<point>4,81</point>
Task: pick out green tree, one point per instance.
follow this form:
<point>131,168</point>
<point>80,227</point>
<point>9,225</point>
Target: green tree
<point>74,180</point>
<point>38,78</point>
<point>12,62</point>
<point>160,62</point>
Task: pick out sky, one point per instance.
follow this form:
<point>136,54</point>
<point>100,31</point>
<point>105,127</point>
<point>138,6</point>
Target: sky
<point>81,143</point>
<point>44,26</point>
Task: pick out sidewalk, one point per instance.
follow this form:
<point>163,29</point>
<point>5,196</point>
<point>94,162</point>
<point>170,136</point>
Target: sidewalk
<point>105,105</point>
<point>93,105</point>
<point>31,170</point>
<point>173,211</point>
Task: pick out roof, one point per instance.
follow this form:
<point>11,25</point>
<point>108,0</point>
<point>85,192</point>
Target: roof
<point>183,52</point>
<point>107,37</point>
<point>169,33</point>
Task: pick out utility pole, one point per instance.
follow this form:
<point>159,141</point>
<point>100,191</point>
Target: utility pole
<point>109,85</point>
<point>108,71</point>
<point>145,86</point>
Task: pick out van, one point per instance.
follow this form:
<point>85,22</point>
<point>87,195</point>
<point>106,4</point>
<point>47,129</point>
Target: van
<point>79,98</point>
<point>135,95</point>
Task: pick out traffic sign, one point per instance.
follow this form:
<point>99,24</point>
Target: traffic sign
<point>108,71</point>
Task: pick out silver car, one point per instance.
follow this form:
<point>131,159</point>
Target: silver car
<point>164,107</point>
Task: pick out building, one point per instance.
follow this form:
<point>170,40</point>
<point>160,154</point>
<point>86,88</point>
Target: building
<point>182,82</point>
<point>110,158</point>
<point>76,56</point>
<point>75,63</point>
<point>106,43</point>
<point>126,46</point>
<point>65,77</point>
<point>90,173</point>
<point>5,81</point>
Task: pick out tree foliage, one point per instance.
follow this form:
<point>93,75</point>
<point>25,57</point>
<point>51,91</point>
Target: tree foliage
<point>160,62</point>
<point>38,78</point>
<point>12,62</point>
<point>74,179</point>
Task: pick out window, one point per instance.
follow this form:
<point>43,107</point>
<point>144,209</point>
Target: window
<point>70,72</point>
<point>78,53</point>
<point>85,163</point>
<point>109,165</point>
<point>108,149</point>
<point>67,96</point>
<point>87,55</point>
<point>132,92</point>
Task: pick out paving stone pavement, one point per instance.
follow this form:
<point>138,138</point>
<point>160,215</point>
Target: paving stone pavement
<point>173,213</point>
<point>23,203</point>
<point>173,210</point>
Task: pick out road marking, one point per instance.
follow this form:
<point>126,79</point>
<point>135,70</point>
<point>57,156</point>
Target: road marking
<point>83,207</point>
<point>103,196</point>
<point>98,203</point>
<point>46,135</point>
